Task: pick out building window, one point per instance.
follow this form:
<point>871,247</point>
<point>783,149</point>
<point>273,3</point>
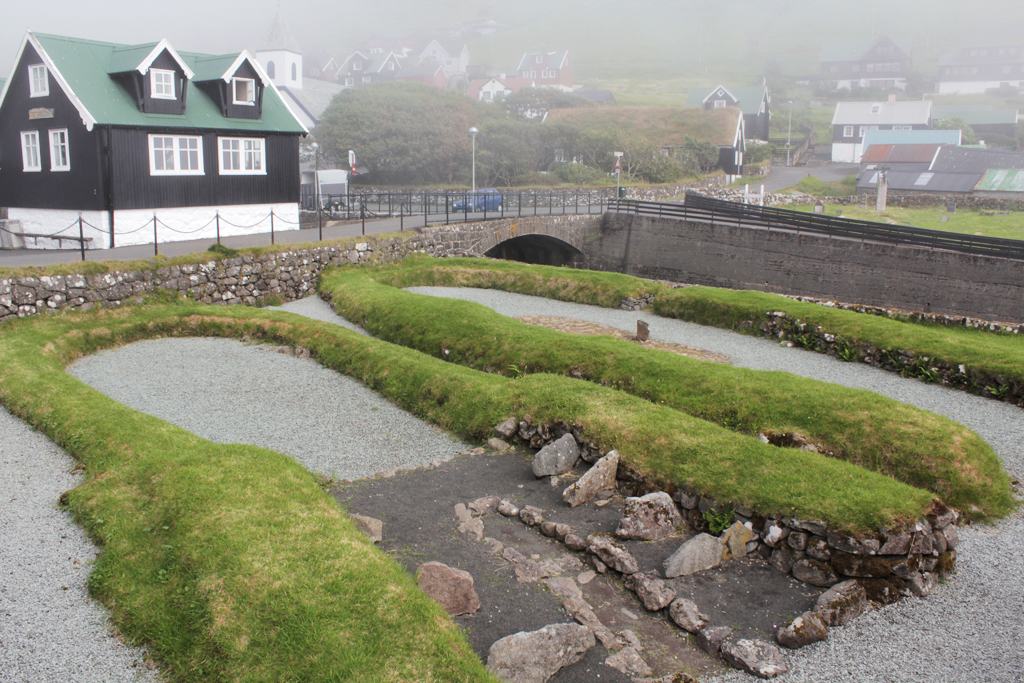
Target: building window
<point>538,59</point>
<point>271,69</point>
<point>357,66</point>
<point>313,71</point>
<point>161,84</point>
<point>367,79</point>
<point>856,68</point>
<point>38,82</point>
<point>895,66</point>
<point>295,72</point>
<point>719,104</point>
<point>175,155</point>
<point>1006,69</point>
<point>847,131</point>
<point>486,95</point>
<point>875,108</point>
<point>902,127</point>
<point>242,156</point>
<point>391,66</point>
<point>863,129</point>
<point>30,151</point>
<point>870,67</point>
<point>59,158</point>
<point>244,90</point>
<point>350,81</point>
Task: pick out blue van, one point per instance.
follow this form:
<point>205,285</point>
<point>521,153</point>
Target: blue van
<point>481,200</point>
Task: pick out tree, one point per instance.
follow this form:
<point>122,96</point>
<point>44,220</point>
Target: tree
<point>507,150</point>
<point>403,132</point>
<point>956,123</point>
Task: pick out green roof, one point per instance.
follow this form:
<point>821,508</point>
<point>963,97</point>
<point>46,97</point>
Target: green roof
<point>1002,180</point>
<point>86,65</point>
<point>974,114</point>
<point>748,99</point>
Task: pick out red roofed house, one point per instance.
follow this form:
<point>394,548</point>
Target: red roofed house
<point>548,69</point>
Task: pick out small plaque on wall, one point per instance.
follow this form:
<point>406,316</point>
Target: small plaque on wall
<point>40,113</point>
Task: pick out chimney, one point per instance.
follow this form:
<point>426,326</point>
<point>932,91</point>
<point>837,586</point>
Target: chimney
<point>892,97</point>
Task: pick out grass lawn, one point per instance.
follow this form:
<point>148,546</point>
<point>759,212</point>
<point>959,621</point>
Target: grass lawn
<point>822,188</point>
<point>964,221</point>
<point>861,427</point>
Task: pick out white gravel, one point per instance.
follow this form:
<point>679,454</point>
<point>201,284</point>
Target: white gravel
<point>50,629</point>
<point>968,630</point>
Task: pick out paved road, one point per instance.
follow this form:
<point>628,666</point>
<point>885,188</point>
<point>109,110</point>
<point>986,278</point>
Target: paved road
<point>17,258</point>
<point>781,177</point>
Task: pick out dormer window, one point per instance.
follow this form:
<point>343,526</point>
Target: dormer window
<point>875,108</point>
<point>538,59</point>
<point>391,66</point>
<point>162,84</point>
<point>38,83</point>
<point>244,90</point>
<point>357,66</point>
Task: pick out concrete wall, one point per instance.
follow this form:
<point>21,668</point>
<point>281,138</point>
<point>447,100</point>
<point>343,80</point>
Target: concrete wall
<point>901,277</point>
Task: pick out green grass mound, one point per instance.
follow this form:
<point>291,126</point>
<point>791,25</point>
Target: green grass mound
<point>898,440</point>
<point>996,354</point>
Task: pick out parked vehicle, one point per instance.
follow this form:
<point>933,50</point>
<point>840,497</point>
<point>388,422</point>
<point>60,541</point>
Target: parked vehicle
<point>481,200</point>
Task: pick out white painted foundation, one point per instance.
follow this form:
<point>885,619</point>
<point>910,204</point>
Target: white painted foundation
<point>134,227</point>
<point>60,222</point>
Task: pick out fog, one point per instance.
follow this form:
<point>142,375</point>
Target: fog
<point>724,39</point>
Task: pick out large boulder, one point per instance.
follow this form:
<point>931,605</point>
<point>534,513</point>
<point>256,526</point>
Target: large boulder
<point>508,428</point>
<point>710,639</point>
<point>451,588</point>
<point>842,603</point>
<point>701,552</point>
<point>628,661</point>
<point>807,628</point>
<point>649,518</point>
<point>558,457</point>
<point>815,573</point>
<point>535,656</point>
<point>600,477</point>
<point>654,593</point>
<point>612,554</point>
<point>734,540</point>
<point>756,657</point>
<point>686,615</point>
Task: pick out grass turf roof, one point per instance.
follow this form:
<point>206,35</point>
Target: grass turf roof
<point>896,439</point>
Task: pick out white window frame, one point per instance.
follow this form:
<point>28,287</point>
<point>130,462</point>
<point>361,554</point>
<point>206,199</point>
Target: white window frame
<point>244,156</point>
<point>180,144</point>
<point>357,66</point>
<point>391,66</point>
<point>349,81</point>
<point>250,90</point>
<point>30,159</point>
<point>38,80</point>
<point>847,131</point>
<point>60,153</point>
<point>367,79</point>
<point>720,104</point>
<point>159,81</point>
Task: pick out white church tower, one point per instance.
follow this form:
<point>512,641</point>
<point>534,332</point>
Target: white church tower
<point>280,56</point>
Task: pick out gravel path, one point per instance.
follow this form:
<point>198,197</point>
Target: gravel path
<point>969,630</point>
<point>50,629</point>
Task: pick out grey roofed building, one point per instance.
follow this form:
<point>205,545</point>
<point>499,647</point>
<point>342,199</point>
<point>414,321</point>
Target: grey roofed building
<point>852,120</point>
<point>954,169</point>
<point>982,118</point>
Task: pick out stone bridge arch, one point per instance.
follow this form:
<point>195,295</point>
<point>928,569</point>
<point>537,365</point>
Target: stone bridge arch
<point>550,240</point>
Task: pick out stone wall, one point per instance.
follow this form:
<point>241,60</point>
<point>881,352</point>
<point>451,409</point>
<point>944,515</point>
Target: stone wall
<point>286,275</point>
<point>784,262</point>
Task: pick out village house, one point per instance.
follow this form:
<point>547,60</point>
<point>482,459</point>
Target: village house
<point>117,134</point>
<point>547,70</point>
<point>978,68</point>
<point>883,63</point>
<point>754,102</point>
<point>853,119</point>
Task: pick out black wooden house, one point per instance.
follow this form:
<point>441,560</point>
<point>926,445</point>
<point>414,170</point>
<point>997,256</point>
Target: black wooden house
<point>123,133</point>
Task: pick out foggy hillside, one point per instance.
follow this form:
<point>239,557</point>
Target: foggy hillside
<point>607,39</point>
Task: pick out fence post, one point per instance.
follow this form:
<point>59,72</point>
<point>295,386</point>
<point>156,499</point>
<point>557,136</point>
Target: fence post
<point>401,217</point>
<point>362,216</point>
<point>218,227</point>
<point>81,235</point>
<point>446,221</point>
<point>519,204</point>
<point>425,208</point>
<point>271,225</point>
<point>156,242</point>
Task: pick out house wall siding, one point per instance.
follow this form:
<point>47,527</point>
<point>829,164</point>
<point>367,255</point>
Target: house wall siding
<point>135,188</point>
<point>79,188</point>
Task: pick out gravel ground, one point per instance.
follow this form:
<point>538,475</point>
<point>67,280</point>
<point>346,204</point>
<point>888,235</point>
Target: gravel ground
<point>50,629</point>
<point>970,629</point>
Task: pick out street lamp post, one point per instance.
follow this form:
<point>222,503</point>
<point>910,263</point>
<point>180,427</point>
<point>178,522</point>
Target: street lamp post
<point>472,135</point>
<point>316,191</point>
<point>789,134</point>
